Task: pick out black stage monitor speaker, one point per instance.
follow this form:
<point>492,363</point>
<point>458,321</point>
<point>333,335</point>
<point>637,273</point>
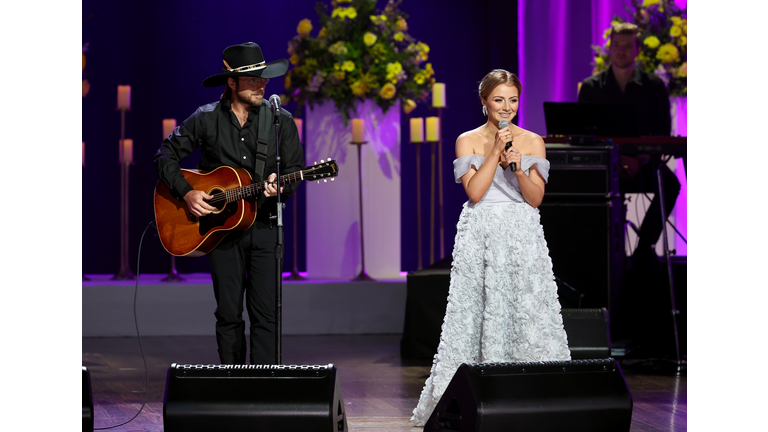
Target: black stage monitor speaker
<point>587,330</point>
<point>579,395</point>
<point>87,401</point>
<point>256,398</point>
<point>425,304</point>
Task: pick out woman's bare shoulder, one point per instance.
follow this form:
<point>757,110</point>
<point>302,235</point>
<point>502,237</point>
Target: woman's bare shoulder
<point>530,143</point>
<point>470,142</point>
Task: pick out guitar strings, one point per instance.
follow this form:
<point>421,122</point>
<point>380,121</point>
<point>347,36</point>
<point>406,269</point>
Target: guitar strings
<point>248,190</point>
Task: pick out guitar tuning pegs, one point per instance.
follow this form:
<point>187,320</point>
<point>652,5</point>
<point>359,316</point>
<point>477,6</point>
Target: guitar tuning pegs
<point>314,163</point>
<point>318,182</point>
<point>333,178</point>
<point>321,160</point>
<point>325,181</point>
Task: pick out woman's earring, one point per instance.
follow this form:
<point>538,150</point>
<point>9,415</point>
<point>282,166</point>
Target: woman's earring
<point>485,111</point>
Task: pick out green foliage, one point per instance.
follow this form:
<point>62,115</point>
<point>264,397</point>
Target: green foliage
<point>358,53</point>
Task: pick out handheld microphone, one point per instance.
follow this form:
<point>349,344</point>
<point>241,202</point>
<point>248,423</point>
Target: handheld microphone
<point>274,100</point>
<point>502,125</point>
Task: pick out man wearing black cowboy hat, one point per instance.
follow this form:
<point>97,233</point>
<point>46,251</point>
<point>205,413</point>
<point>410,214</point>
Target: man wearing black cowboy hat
<point>238,131</point>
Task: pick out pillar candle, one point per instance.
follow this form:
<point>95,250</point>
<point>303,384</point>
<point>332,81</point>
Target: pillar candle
<point>83,153</point>
<point>417,130</point>
<point>300,127</point>
<point>168,126</point>
<point>357,130</point>
<point>433,129</point>
<point>438,95</point>
<point>126,151</point>
<point>123,97</point>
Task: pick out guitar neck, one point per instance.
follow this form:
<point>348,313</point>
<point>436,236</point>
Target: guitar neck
<point>255,189</point>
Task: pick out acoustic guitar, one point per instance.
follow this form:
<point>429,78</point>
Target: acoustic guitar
<point>234,196</point>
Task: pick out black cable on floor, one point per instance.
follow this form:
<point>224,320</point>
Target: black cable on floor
<point>136,321</point>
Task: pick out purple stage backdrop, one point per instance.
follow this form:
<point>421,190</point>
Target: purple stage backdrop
<point>165,49</point>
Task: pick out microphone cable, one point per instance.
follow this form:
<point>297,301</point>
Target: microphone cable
<point>136,322</point>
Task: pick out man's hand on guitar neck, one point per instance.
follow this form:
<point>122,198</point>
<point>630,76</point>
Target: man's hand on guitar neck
<point>270,188</point>
<point>196,203</point>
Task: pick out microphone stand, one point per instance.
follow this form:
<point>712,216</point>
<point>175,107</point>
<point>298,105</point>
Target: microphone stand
<point>278,250</point>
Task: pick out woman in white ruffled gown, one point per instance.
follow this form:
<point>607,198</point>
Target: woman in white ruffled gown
<point>502,302</point>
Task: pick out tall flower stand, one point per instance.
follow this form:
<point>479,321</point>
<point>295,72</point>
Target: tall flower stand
<point>334,249</point>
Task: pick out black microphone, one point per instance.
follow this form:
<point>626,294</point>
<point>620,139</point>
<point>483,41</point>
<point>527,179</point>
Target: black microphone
<point>502,125</point>
<point>274,100</point>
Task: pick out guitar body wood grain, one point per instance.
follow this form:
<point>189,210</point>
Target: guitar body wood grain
<point>183,234</point>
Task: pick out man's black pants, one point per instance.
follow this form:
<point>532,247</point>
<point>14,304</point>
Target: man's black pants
<point>243,265</point>
<point>646,181</point>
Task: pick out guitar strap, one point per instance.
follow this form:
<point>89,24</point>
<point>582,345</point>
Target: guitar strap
<point>265,126</point>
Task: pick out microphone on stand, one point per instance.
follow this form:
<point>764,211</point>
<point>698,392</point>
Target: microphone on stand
<point>274,100</point>
<point>502,125</point>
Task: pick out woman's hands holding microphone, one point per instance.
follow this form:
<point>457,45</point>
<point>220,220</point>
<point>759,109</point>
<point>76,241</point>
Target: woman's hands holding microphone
<point>504,142</point>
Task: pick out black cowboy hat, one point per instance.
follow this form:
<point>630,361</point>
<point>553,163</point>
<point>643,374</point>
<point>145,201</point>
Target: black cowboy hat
<point>246,60</point>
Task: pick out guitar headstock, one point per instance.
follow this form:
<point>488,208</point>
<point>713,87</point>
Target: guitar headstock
<point>321,171</point>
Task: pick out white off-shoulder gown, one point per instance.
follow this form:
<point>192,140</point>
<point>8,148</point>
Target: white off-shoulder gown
<point>502,301</point>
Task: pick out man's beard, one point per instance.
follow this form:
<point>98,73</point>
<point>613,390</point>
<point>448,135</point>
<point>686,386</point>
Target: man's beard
<point>252,99</point>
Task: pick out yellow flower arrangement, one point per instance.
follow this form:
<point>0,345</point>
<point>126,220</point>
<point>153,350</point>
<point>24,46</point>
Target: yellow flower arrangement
<point>664,35</point>
<point>360,52</point>
<point>369,38</point>
<point>344,13</point>
<point>388,91</point>
<point>408,106</point>
<point>393,69</point>
<point>304,27</point>
<point>668,53</point>
<point>599,61</point>
<point>359,88</point>
<point>348,66</point>
<point>652,42</point>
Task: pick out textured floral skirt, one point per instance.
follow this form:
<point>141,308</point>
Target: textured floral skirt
<point>502,302</point>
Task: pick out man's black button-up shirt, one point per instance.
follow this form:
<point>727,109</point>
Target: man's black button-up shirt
<point>646,91</point>
<point>215,128</point>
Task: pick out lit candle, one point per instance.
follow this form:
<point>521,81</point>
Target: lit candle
<point>357,130</point>
<point>438,95</point>
<point>300,127</point>
<point>83,153</point>
<point>126,151</point>
<point>168,126</point>
<point>417,130</point>
<point>124,97</point>
<point>433,129</point>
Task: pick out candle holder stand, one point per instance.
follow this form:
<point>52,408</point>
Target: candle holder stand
<point>173,275</point>
<point>363,276</point>
<point>418,204</point>
<point>433,145</point>
<point>125,272</point>
<point>440,182</point>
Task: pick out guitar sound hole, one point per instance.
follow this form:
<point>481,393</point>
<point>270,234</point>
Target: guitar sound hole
<point>219,200</point>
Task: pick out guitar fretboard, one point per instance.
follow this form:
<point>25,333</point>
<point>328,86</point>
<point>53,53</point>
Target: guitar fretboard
<point>256,188</point>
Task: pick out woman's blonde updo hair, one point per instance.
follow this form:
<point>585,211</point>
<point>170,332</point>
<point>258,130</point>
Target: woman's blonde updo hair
<point>493,79</point>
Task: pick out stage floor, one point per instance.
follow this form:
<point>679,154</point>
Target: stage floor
<point>380,390</point>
